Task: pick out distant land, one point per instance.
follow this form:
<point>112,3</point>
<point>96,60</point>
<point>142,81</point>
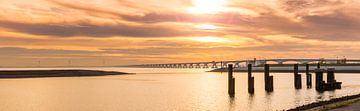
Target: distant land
<point>51,66</point>
<point>55,73</point>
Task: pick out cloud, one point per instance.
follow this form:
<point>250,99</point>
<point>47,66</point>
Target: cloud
<point>90,30</point>
<point>31,53</point>
<point>154,31</point>
<point>310,5</point>
<point>221,18</point>
<point>92,10</point>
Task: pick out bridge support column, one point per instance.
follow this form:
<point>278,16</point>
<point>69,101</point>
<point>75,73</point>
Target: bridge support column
<point>231,80</point>
<point>172,65</point>
<point>224,65</point>
<point>330,75</point>
<point>269,80</point>
<point>319,83</point>
<point>308,77</point>
<point>198,66</point>
<point>297,77</point>
<point>191,66</point>
<point>184,66</point>
<point>250,80</point>
<point>332,84</point>
<point>237,65</point>
<point>214,66</point>
<point>206,66</point>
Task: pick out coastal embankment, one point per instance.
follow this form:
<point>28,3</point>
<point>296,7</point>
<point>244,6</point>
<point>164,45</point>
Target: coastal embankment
<point>55,73</point>
<point>329,104</point>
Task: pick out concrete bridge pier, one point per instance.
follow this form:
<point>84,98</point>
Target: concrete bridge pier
<point>237,65</point>
<point>269,80</point>
<point>179,66</point>
<point>297,77</point>
<point>231,80</point>
<point>214,66</point>
<point>224,65</point>
<point>191,66</point>
<point>331,75</point>
<point>198,66</point>
<point>185,66</point>
<point>250,80</point>
<point>308,77</point>
<point>182,66</point>
<point>332,84</point>
<point>206,66</point>
<point>319,83</point>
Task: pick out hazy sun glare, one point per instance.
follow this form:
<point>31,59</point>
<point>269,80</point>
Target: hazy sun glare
<point>206,27</point>
<point>207,6</point>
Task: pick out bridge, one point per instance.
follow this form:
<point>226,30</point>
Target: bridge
<point>243,63</point>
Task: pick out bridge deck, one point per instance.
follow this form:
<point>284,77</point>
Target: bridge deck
<point>240,63</point>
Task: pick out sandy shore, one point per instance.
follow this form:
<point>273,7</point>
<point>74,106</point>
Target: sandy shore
<point>55,73</point>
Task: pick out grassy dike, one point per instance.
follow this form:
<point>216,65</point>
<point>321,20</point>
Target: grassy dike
<point>329,104</point>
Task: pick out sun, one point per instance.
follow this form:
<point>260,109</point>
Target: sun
<point>207,6</point>
<point>209,39</point>
<point>206,27</point>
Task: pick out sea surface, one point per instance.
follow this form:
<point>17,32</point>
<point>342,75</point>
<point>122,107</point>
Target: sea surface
<point>160,90</point>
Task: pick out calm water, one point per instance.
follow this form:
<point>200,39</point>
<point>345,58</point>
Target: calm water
<point>158,90</point>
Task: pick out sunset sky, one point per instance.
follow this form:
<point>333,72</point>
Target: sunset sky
<point>121,32</point>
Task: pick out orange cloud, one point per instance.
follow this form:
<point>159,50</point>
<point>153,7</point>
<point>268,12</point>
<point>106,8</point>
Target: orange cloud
<point>133,31</point>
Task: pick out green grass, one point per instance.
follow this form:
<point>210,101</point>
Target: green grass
<point>341,104</point>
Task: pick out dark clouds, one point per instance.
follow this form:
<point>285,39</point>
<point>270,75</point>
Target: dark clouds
<point>307,5</point>
<point>33,53</point>
<point>90,30</point>
<point>221,18</point>
<point>335,26</point>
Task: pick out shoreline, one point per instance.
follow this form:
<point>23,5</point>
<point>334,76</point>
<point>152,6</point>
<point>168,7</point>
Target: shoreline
<point>328,104</point>
<point>11,74</point>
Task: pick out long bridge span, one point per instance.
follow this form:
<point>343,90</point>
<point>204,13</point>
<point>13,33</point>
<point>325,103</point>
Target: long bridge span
<point>243,63</point>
